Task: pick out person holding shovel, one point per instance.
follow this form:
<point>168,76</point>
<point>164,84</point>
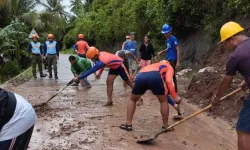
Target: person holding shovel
<point>233,38</point>
<point>79,66</point>
<point>102,60</point>
<point>35,48</point>
<point>152,78</point>
<point>17,119</point>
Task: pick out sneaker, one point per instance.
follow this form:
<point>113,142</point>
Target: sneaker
<point>56,77</point>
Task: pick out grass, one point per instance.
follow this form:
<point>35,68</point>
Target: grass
<point>67,51</point>
<point>22,77</point>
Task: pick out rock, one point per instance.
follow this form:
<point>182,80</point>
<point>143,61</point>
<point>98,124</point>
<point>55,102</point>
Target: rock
<point>184,71</point>
<point>61,124</point>
<point>207,69</point>
<point>184,142</point>
<point>38,130</point>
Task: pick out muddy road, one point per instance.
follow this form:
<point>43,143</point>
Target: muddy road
<point>76,119</point>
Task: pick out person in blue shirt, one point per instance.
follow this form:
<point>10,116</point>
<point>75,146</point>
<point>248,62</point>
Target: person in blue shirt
<point>51,50</point>
<point>173,56</point>
<point>172,50</point>
<point>35,48</point>
<point>131,46</point>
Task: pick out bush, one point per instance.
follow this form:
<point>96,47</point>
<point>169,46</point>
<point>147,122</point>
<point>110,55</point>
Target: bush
<point>11,69</point>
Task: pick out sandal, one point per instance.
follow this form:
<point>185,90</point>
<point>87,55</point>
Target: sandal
<point>164,128</point>
<point>109,104</point>
<point>126,127</point>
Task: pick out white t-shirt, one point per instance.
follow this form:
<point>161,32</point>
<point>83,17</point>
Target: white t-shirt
<point>23,119</point>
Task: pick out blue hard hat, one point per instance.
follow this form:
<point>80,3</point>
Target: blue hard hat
<point>166,29</point>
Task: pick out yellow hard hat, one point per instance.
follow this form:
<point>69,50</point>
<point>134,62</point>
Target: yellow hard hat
<point>229,29</point>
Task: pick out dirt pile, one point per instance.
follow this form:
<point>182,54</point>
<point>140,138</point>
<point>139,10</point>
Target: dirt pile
<point>202,88</point>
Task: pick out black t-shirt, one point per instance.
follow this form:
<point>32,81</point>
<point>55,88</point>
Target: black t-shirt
<point>147,51</point>
<point>239,61</point>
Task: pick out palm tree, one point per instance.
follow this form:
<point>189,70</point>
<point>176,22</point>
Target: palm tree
<point>15,8</point>
<point>76,6</point>
<point>54,6</point>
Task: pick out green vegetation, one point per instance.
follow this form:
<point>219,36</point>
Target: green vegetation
<point>106,23</point>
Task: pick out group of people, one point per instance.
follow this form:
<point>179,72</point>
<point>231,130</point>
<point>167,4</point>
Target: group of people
<point>48,53</point>
<point>17,117</point>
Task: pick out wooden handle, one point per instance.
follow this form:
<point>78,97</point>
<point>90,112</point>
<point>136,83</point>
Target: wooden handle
<point>201,111</point>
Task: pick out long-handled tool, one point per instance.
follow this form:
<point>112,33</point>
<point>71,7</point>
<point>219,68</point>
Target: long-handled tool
<point>170,128</point>
<point>45,103</point>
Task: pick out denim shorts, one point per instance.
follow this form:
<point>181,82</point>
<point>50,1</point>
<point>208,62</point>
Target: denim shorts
<point>243,123</point>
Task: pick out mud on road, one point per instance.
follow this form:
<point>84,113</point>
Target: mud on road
<point>76,119</point>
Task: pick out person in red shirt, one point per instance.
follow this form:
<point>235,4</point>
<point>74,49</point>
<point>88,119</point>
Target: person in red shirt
<point>81,46</point>
<point>152,78</point>
<point>104,59</point>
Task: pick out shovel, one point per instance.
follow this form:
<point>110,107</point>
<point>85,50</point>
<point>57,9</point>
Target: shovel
<point>53,96</point>
<point>170,128</point>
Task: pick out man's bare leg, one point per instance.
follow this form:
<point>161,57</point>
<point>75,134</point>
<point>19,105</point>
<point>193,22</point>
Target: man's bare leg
<point>164,109</point>
<point>110,83</point>
<point>243,140</point>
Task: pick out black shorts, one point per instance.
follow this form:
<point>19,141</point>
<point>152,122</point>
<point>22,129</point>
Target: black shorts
<point>149,81</point>
<point>121,71</point>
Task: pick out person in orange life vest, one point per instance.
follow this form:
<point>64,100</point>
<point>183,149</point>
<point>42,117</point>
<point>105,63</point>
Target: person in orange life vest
<point>127,38</point>
<point>102,60</point>
<point>81,46</point>
<point>152,78</point>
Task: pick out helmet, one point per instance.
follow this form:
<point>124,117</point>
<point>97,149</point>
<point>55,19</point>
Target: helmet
<point>50,36</point>
<point>80,36</point>
<point>229,29</point>
<point>127,37</point>
<point>164,61</point>
<point>92,51</point>
<point>166,29</point>
<point>34,36</point>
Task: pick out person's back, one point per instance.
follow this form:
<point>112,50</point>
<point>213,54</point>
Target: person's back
<point>239,60</point>
<point>17,130</point>
<point>172,42</point>
<point>82,47</point>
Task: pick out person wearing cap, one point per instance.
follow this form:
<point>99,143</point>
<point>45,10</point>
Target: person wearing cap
<point>127,38</point>
<point>131,45</point>
<point>124,54</point>
<point>51,50</point>
<point>79,66</point>
<point>35,48</point>
<point>17,120</point>
<point>152,78</point>
<point>104,59</point>
<point>172,50</point>
<point>234,39</point>
<point>81,46</point>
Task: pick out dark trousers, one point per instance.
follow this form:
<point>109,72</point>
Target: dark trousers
<point>37,60</point>
<point>52,60</point>
<point>173,64</point>
<point>18,143</point>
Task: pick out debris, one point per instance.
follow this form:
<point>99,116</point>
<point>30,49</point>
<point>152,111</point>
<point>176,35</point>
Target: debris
<point>207,69</point>
<point>184,71</point>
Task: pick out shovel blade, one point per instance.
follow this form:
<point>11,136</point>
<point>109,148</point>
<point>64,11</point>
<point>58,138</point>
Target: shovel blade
<point>145,141</point>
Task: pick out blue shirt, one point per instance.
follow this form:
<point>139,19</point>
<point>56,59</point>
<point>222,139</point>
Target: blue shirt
<point>51,48</point>
<point>35,48</point>
<point>131,46</point>
<point>172,43</point>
